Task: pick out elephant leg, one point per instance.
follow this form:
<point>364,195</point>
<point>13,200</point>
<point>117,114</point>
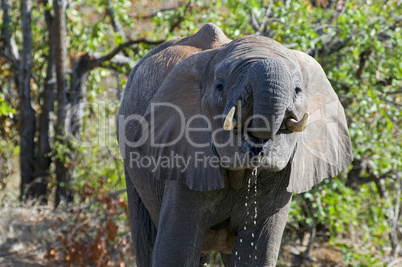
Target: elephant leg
<point>180,235</point>
<point>259,246</point>
<point>143,231</point>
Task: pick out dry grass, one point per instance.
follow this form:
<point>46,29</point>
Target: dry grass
<point>34,235</point>
<point>29,232</point>
<point>20,230</point>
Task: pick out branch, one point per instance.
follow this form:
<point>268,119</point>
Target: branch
<point>362,62</point>
<point>355,177</point>
<point>253,21</point>
<point>335,45</point>
<point>96,62</point>
<point>312,238</point>
<point>340,7</point>
<point>260,28</point>
<point>384,95</point>
<point>7,57</point>
<point>153,14</point>
<point>339,45</point>
<point>392,102</point>
<point>9,39</point>
<point>122,60</point>
<point>394,92</point>
<point>264,22</point>
<point>181,18</point>
<point>114,20</point>
<point>374,178</point>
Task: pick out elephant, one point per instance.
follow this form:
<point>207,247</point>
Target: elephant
<point>216,134</point>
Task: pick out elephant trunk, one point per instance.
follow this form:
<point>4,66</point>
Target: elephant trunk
<point>271,81</point>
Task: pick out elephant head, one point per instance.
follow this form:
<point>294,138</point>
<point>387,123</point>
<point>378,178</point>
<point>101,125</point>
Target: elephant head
<point>248,103</point>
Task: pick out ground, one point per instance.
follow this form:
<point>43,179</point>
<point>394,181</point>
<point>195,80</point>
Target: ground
<point>27,231</point>
<point>33,236</point>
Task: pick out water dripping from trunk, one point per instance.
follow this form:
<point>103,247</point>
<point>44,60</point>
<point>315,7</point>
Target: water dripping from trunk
<point>254,175</point>
<point>253,221</point>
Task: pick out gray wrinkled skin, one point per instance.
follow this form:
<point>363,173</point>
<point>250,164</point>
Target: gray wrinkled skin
<point>179,215</point>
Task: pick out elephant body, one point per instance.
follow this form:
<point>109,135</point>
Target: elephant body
<point>231,198</point>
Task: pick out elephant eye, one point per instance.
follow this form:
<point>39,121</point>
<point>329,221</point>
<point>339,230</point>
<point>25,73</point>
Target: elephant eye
<point>298,90</point>
<point>219,87</point>
<point>220,84</point>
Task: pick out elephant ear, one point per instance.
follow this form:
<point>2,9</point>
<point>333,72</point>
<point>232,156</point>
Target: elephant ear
<point>178,134</point>
<point>324,147</point>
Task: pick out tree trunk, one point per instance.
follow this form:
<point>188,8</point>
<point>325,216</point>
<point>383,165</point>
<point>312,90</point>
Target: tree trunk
<point>6,32</point>
<point>43,160</point>
<point>62,162</point>
<point>27,114</point>
<point>76,94</point>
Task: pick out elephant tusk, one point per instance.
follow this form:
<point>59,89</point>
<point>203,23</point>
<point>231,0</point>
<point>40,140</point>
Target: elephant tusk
<point>297,126</point>
<point>230,122</point>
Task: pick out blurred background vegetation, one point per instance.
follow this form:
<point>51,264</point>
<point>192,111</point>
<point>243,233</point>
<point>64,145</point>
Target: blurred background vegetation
<point>62,195</point>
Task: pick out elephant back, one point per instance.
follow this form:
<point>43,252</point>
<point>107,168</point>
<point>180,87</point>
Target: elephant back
<point>147,76</point>
<point>149,73</point>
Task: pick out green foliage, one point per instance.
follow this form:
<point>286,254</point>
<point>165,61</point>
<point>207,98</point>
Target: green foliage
<point>100,156</point>
<point>5,108</point>
<point>348,214</point>
<point>359,51</point>
<point>7,152</point>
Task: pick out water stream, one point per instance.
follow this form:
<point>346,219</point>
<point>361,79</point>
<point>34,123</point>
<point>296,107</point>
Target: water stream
<point>253,242</point>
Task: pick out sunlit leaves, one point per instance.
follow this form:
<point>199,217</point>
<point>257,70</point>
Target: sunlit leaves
<point>5,108</point>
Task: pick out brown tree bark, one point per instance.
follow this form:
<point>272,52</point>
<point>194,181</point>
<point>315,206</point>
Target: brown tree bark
<point>81,68</point>
<point>7,35</point>
<point>43,160</point>
<point>68,103</point>
<point>76,94</point>
<point>27,114</point>
<point>62,162</point>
